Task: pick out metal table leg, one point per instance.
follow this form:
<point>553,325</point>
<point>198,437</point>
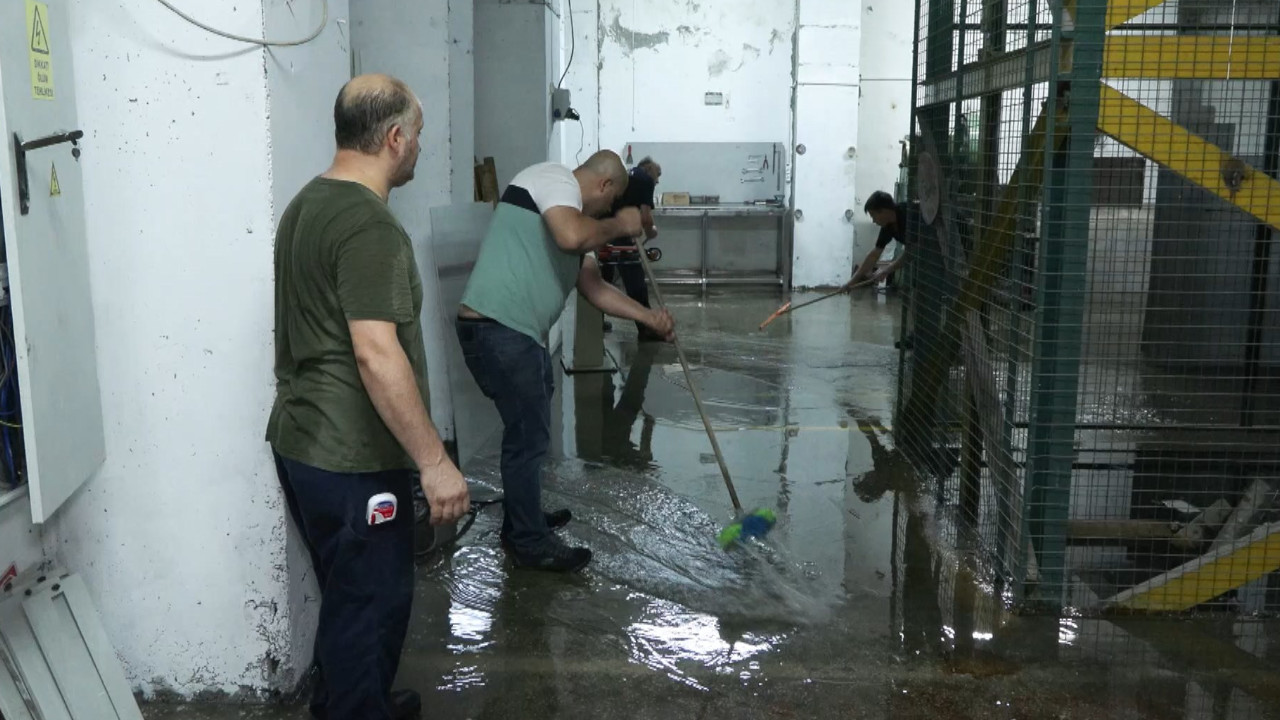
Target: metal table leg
<point>706,221</point>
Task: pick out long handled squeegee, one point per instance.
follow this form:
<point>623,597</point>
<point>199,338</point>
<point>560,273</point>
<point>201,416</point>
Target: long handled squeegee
<point>789,308</point>
<point>756,523</point>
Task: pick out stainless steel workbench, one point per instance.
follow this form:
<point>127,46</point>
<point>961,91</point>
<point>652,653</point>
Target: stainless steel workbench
<point>731,245</point>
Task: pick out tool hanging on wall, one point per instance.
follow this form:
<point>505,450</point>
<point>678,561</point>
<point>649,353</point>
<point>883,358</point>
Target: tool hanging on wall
<point>789,308</point>
<point>758,522</point>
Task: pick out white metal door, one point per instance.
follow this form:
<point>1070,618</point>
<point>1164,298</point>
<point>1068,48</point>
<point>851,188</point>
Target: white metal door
<point>47,255</point>
<point>826,141</point>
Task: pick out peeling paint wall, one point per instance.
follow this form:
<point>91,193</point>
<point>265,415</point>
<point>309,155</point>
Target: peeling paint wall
<point>641,72</point>
<point>655,61</point>
<point>181,535</point>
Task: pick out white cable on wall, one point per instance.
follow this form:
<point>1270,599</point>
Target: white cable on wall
<point>324,20</point>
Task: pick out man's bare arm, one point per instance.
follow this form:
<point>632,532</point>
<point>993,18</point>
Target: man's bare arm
<point>389,379</point>
<point>612,301</point>
<point>577,233</point>
<point>646,220</point>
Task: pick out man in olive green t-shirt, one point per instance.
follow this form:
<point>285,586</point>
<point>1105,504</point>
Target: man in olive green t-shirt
<point>350,426</point>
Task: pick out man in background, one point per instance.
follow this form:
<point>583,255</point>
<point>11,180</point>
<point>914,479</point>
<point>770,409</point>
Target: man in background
<point>534,255</point>
<point>641,188</point>
<point>350,426</point>
<point>884,211</point>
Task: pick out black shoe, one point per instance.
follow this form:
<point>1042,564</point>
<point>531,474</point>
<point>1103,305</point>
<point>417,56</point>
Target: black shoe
<point>558,518</point>
<point>555,521</point>
<point>555,558</point>
<point>406,705</point>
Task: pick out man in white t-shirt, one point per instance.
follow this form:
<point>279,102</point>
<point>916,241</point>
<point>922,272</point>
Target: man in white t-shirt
<point>534,255</point>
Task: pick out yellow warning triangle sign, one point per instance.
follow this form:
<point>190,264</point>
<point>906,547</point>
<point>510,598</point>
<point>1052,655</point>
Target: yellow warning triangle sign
<point>54,188</point>
<point>39,38</point>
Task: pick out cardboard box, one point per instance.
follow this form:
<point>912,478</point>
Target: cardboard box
<point>675,198</point>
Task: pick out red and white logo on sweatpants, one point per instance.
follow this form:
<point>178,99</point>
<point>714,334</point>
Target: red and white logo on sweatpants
<point>382,508</point>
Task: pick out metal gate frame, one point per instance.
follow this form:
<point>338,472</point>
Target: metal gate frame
<point>1055,172</point>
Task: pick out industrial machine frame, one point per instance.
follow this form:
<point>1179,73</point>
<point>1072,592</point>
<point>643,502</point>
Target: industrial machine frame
<point>1090,367</point>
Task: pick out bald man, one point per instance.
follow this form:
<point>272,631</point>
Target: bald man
<point>534,255</point>
<point>350,427</point>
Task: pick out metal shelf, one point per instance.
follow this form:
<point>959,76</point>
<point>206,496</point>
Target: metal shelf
<point>704,275</point>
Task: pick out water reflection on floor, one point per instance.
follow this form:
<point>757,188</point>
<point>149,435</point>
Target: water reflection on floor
<point>851,611</point>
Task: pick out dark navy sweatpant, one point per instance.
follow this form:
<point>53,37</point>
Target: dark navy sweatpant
<point>365,574</point>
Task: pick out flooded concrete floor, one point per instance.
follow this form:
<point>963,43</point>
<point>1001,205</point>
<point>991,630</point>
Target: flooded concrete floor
<point>851,611</point>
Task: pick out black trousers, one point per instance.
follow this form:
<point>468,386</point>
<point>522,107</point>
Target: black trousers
<point>632,278</point>
<point>365,572</point>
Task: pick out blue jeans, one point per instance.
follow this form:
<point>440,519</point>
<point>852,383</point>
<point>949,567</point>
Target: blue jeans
<point>515,373</point>
<point>365,574</point>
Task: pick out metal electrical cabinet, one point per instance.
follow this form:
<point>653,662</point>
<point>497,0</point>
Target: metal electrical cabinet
<point>55,659</point>
<point>57,429</point>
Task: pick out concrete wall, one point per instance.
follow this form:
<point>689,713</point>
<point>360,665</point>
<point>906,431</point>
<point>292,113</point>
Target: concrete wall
<point>580,139</point>
<point>301,85</point>
<point>412,42</point>
<point>884,109</point>
<point>517,60</point>
<point>415,42</point>
<point>462,99</point>
<point>513,123</point>
<point>641,74</point>
<point>181,535</point>
<point>659,59</point>
<point>827,121</point>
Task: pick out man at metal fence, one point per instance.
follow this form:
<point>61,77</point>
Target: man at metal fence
<point>884,212</point>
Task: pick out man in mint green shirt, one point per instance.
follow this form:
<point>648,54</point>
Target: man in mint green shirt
<point>534,255</point>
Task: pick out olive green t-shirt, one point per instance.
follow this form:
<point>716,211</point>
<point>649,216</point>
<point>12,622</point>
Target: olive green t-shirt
<point>340,255</point>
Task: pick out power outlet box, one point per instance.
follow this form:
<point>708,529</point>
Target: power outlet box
<point>561,104</point>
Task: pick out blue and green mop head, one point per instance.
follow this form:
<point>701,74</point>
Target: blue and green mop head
<point>755,524</point>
